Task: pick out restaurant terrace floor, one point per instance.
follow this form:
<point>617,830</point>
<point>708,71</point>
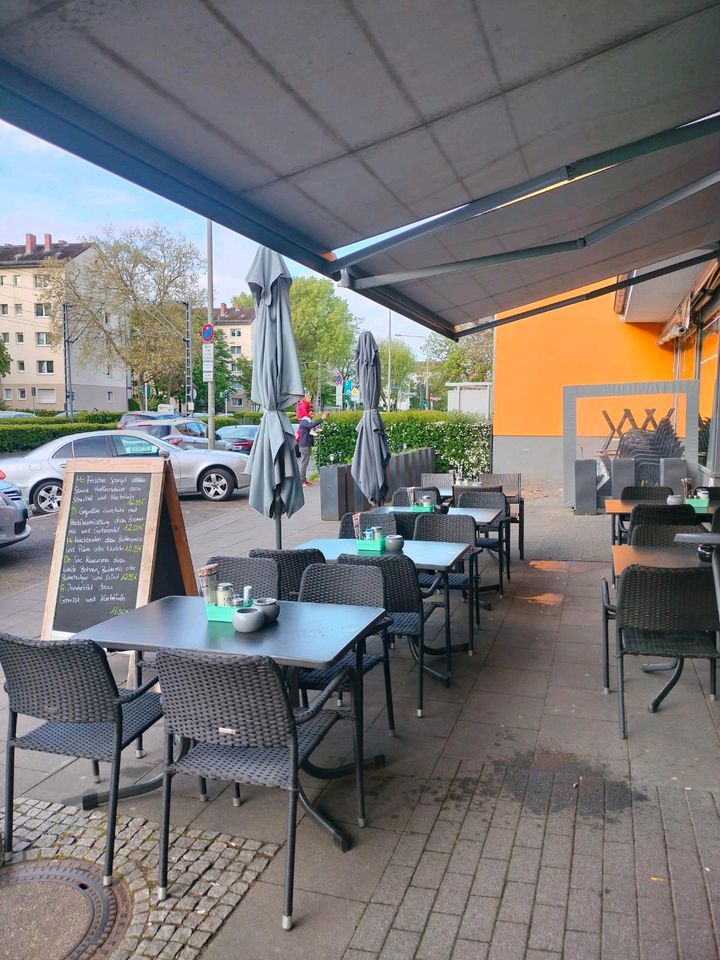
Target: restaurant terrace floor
<point>511,821</point>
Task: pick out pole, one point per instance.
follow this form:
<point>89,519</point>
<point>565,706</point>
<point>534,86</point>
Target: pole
<point>389,359</point>
<point>69,408</point>
<point>427,379</point>
<point>188,358</point>
<point>211,384</point>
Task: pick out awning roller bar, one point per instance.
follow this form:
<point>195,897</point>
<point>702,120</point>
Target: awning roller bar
<point>579,168</point>
<point>544,250</point>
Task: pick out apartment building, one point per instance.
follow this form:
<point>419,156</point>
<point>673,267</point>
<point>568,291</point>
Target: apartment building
<point>236,325</point>
<point>36,380</point>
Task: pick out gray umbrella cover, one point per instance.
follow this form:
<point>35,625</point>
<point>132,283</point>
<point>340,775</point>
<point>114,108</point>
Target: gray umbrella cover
<point>275,486</point>
<point>372,450</point>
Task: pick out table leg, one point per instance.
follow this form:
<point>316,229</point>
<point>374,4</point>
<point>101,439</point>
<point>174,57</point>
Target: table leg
<point>521,528</point>
<point>613,534</point>
<point>448,645</point>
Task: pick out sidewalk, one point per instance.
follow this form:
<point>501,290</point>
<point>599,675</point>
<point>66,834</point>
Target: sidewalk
<point>509,822</point>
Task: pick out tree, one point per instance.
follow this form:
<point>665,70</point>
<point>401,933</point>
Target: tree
<point>402,367</point>
<point>124,301</point>
<point>4,360</point>
<point>242,300</point>
<point>469,360</point>
<point>242,373</point>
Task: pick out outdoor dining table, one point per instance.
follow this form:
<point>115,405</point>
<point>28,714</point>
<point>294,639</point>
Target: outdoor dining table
<point>623,508</point>
<point>681,555</point>
<point>482,517</point>
<point>310,635</point>
<point>433,555</point>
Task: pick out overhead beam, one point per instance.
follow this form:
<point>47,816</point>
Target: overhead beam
<point>565,174</point>
<point>632,281</point>
<point>543,250</point>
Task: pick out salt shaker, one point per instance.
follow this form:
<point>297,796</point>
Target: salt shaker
<point>247,596</point>
<point>225,594</point>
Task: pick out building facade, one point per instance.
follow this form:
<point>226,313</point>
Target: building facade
<point>36,380</point>
<point>236,325</point>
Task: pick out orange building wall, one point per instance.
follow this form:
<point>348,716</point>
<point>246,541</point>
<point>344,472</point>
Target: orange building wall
<point>586,343</point>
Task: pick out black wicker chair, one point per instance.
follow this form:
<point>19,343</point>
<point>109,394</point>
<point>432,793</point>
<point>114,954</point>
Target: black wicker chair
<point>401,497</point>
<point>367,520</point>
<point>664,612</point>
<point>259,573</point>
<point>454,528</point>
<point>500,543</point>
<point>437,479</point>
<point>656,513</point>
<point>291,566</point>
<point>653,494</point>
<point>405,607</point>
<point>333,583</point>
<point>236,724</point>
<point>659,534</point>
<point>69,685</point>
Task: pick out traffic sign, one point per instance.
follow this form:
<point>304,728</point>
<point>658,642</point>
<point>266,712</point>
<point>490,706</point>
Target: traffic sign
<point>208,361</point>
<point>208,352</point>
<point>207,332</point>
<point>348,386</point>
<point>338,380</point>
<point>354,392</point>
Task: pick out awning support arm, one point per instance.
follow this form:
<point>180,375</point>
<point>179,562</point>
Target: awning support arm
<point>594,294</point>
<point>544,250</point>
<point>579,168</point>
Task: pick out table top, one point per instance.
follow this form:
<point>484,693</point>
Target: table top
<point>425,554</point>
<point>681,555</point>
<point>483,517</point>
<point>626,506</point>
<point>312,635</point>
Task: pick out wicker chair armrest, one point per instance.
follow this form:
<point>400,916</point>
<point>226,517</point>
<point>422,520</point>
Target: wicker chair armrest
<point>608,606</point>
<point>127,696</point>
<point>429,591</point>
<point>302,716</point>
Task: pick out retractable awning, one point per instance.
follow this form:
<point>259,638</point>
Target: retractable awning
<point>312,125</point>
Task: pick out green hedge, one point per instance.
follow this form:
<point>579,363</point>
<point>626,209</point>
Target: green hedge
<point>81,416</point>
<point>462,441</point>
<point>17,438</point>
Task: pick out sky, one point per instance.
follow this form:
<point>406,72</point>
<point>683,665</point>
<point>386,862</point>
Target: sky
<point>47,190</point>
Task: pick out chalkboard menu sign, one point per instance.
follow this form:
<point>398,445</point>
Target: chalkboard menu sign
<point>120,542</point>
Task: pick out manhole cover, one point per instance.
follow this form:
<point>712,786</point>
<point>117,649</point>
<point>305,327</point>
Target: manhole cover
<point>59,910</point>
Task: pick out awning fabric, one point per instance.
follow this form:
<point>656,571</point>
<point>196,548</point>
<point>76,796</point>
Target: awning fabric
<point>310,125</point>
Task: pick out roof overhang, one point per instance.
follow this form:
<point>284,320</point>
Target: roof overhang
<point>313,127</point>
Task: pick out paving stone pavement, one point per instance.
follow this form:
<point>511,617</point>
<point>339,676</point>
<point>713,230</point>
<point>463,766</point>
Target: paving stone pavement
<point>510,821</point>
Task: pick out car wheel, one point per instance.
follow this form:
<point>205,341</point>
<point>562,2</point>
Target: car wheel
<point>217,484</point>
<point>46,496</point>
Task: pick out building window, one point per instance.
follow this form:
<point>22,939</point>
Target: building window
<point>16,281</point>
<point>236,402</point>
<point>2,281</point>
<point>236,351</point>
<point>109,396</point>
<point>42,309</point>
<point>235,333</point>
<point>5,337</point>
<point>41,279</point>
<point>7,393</point>
<point>42,338</point>
<point>45,366</point>
<point>18,309</point>
<point>21,366</point>
<point>46,395</point>
<point>19,338</point>
<point>4,309</point>
<point>22,394</point>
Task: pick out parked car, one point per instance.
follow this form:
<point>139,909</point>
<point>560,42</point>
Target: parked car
<point>39,474</point>
<point>13,514</point>
<point>17,415</point>
<point>132,417</point>
<point>183,432</point>
<point>239,438</point>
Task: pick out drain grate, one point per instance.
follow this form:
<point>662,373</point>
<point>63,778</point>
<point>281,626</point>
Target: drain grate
<point>63,909</point>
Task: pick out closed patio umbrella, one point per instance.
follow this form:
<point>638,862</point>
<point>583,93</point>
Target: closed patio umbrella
<point>372,450</point>
<point>275,486</point>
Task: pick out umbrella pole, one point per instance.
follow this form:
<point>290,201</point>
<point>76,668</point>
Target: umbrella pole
<point>278,523</point>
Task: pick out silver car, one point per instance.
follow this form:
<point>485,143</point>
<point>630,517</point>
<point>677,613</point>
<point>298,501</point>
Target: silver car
<point>183,432</point>
<point>215,474</point>
<point>13,514</point>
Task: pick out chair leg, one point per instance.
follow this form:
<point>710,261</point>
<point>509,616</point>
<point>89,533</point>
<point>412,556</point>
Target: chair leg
<point>388,685</point>
<point>202,783</point>
<point>358,751</point>
<point>606,654</point>
<point>656,701</point>
<point>507,551</point>
<point>421,670</point>
<point>290,859</point>
<point>139,751</point>
<point>501,564</point>
<point>621,693</point>
<point>237,799</point>
<point>112,807</point>
<point>9,783</point>
<point>472,590</point>
<point>95,771</point>
<point>165,821</point>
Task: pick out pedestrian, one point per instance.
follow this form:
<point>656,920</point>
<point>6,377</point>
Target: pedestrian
<point>307,430</point>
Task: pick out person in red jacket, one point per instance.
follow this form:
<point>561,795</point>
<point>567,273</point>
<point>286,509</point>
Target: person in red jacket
<point>307,428</point>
